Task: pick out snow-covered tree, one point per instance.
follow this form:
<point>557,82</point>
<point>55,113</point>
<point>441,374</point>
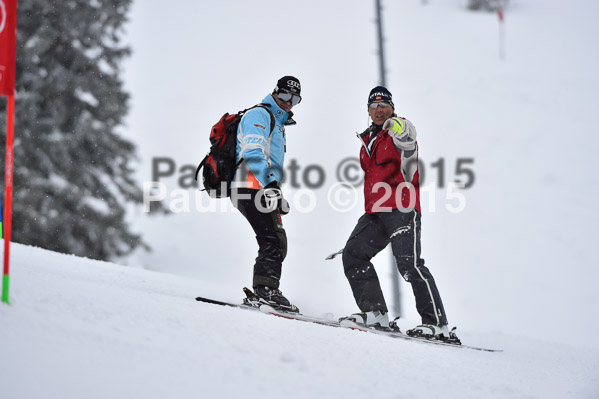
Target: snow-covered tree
<point>73,181</point>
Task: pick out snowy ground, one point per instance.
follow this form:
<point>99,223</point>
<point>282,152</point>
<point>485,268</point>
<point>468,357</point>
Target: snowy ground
<point>516,268</point>
<point>78,328</point>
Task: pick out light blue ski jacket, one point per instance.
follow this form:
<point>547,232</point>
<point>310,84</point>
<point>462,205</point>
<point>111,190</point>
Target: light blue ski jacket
<point>263,153</point>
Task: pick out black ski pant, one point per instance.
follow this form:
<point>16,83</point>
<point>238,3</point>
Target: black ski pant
<point>270,234</point>
<point>370,236</point>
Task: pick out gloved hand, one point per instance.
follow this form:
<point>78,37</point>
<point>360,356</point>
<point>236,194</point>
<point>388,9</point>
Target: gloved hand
<point>402,131</point>
<point>273,199</point>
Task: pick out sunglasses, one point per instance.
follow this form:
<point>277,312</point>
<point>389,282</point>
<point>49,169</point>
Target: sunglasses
<point>376,105</point>
<point>286,96</point>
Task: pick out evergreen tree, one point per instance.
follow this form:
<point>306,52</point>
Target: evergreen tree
<point>72,178</point>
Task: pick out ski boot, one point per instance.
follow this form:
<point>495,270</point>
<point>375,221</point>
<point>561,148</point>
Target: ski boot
<point>373,319</point>
<point>273,297</point>
<point>434,332</point>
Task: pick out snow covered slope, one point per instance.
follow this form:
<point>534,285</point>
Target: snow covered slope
<point>79,328</point>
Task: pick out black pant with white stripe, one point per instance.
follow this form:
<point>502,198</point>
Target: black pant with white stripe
<point>370,236</point>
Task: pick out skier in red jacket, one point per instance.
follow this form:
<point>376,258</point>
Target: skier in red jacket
<point>389,158</point>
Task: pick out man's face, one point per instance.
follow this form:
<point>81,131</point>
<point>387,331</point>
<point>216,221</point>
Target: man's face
<point>285,105</point>
<point>381,113</point>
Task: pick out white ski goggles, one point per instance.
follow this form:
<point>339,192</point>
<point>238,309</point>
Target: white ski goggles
<point>381,104</point>
<point>285,96</point>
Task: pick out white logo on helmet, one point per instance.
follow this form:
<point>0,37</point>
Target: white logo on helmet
<point>293,83</point>
<point>378,95</point>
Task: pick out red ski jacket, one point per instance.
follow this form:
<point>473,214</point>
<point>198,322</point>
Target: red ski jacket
<point>385,185</point>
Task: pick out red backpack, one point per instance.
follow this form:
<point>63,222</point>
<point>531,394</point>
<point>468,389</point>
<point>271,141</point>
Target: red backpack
<point>220,162</point>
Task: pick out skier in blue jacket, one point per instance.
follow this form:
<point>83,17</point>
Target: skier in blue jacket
<point>256,191</point>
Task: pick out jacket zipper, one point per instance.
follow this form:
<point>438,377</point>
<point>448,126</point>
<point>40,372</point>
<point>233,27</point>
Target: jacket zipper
<point>364,144</point>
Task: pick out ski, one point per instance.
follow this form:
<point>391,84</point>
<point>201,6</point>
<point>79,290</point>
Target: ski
<point>227,304</point>
<point>267,309</point>
<point>401,335</point>
<point>298,316</point>
<point>353,326</point>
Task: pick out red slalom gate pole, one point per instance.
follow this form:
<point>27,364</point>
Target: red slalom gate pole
<point>10,126</point>
<point>8,49</point>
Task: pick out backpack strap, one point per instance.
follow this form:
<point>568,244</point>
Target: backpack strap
<point>241,113</point>
<point>267,108</point>
<point>200,167</point>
